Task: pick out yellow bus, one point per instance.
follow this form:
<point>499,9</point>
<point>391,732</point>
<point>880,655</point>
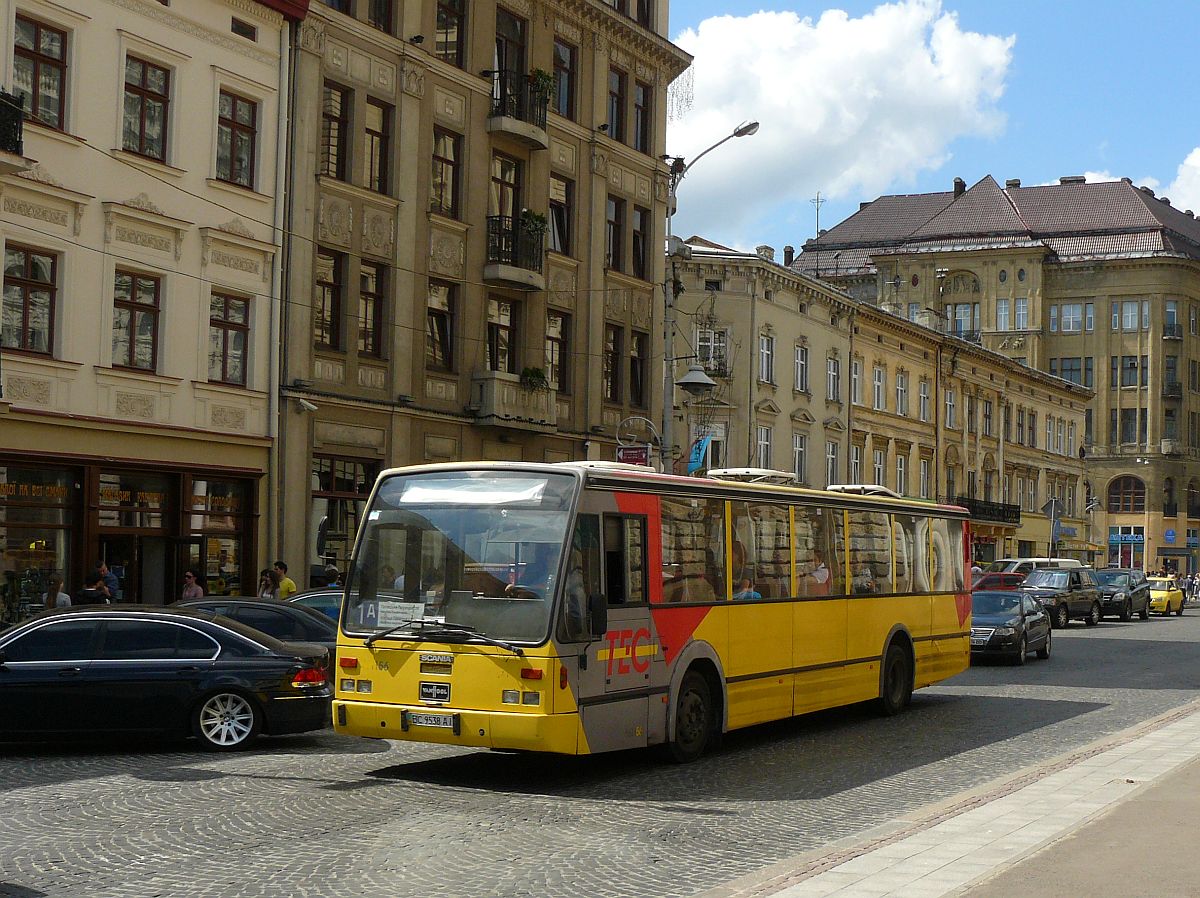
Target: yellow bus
<point>588,607</point>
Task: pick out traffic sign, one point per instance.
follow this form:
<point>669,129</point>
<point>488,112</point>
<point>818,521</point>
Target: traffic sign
<point>634,455</point>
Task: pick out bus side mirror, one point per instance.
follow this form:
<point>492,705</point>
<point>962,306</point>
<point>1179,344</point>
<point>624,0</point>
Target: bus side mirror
<point>597,614</point>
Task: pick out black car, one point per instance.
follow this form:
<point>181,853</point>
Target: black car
<point>327,601</point>
<point>1010,624</point>
<point>1124,592</point>
<point>1065,593</point>
<point>283,620</point>
<point>102,669</point>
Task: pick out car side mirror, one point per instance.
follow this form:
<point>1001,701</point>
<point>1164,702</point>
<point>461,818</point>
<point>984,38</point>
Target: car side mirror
<point>597,614</point>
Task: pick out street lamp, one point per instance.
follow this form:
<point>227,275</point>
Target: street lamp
<point>696,382</point>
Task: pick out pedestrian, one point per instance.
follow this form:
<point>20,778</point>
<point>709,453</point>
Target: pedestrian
<point>93,592</point>
<point>333,577</point>
<point>110,580</point>
<point>193,586</point>
<point>55,597</point>
<point>268,584</point>
<point>287,586</point>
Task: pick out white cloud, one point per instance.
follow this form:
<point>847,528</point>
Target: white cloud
<point>1184,191</point>
<point>849,106</point>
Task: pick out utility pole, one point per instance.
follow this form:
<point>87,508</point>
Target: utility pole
<point>817,204</point>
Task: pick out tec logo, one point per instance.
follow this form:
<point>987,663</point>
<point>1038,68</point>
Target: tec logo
<point>629,648</point>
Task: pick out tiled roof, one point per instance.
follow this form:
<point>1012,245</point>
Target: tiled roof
<point>984,209</point>
<point>1075,208</point>
<point>1107,246</point>
<point>705,243</point>
<point>888,218</point>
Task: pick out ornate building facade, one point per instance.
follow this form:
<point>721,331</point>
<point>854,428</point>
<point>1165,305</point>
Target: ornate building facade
<point>477,200</point>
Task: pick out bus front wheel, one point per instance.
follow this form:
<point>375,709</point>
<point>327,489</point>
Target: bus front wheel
<point>693,718</point>
<point>896,689</point>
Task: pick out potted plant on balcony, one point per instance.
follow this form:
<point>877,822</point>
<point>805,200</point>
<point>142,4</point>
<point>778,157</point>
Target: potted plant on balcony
<point>534,379</point>
<point>541,82</point>
<point>534,223</point>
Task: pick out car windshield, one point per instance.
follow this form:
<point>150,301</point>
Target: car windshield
<point>995,602</point>
<point>1045,579</point>
<point>1162,583</point>
<point>1113,578</point>
<point>997,567</point>
<point>472,549</point>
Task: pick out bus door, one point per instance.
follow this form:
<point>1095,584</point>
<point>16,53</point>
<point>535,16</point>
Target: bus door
<point>620,668</point>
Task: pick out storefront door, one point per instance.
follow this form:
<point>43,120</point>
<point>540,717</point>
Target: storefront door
<point>143,567</point>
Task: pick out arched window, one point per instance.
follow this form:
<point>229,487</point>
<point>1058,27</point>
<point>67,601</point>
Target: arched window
<point>1126,494</point>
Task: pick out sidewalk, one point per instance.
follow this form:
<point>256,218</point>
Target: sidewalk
<point>1113,819</point>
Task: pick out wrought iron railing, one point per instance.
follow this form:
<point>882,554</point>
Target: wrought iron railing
<point>519,96</point>
<point>1173,330</point>
<point>511,241</point>
<point>969,336</point>
<point>996,512</point>
<point>12,122</point>
<point>1172,389</point>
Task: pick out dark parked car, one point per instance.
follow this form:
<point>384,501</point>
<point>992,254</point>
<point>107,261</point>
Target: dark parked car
<point>995,580</point>
<point>1124,592</point>
<point>283,620</point>
<point>102,669</point>
<point>1010,624</point>
<point>1065,593</point>
<point>327,601</point>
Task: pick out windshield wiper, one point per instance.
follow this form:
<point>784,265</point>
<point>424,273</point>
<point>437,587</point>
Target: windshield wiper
<point>431,629</point>
<point>418,624</point>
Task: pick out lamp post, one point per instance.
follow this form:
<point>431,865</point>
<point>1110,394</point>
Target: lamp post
<point>695,382</point>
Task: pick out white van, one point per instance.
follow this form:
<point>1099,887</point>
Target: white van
<point>1025,565</point>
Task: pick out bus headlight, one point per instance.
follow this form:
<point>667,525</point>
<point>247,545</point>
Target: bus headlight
<point>511,697</point>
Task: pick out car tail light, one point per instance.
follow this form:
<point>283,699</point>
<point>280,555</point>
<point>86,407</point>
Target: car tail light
<point>309,676</point>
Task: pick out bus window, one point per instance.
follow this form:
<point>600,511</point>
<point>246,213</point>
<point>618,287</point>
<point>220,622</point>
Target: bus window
<point>582,578</point>
<point>625,560</point>
<point>870,553</point>
<point>818,541</point>
<point>693,549</point>
<point>947,556</point>
<point>911,552</point>
<point>761,563</point>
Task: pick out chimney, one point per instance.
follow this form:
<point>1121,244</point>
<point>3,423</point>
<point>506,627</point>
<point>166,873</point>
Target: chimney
<point>765,252</point>
<point>960,187</point>
<point>1011,183</point>
<point>789,255</point>
<point>1072,179</point>
<point>1146,190</point>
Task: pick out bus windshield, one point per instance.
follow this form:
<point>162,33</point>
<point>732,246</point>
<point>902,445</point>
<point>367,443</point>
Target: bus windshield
<point>475,550</point>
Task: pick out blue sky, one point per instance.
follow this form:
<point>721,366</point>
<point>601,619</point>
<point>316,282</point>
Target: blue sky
<point>904,97</point>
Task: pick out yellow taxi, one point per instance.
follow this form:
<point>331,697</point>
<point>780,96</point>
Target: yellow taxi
<point>1165,596</point>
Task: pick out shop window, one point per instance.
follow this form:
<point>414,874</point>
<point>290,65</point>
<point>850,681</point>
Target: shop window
<point>37,522</point>
<point>339,493</point>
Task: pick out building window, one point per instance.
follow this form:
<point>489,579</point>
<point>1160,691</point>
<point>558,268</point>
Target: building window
<point>645,13</point>
<point>451,31</point>
<point>856,464</point>
<point>831,463</point>
<point>30,279</point>
<point>237,133</point>
<point>856,381</point>
<point>970,397</point>
<point>987,417</point>
<point>144,119</point>
<point>1129,315</point>
<point>1020,427</point>
<point>614,234</point>
<point>616,104</point>
<point>611,371</point>
<point>1089,317</point>
<point>379,14</point>
<point>879,459</point>
<point>439,326</point>
<point>642,123</point>
<point>641,242</point>
<point>766,358</point>
<point>339,498</point>
<point>1031,431</point>
<point>923,399</point>
<point>833,380</point>
<point>335,131</point>
<point>639,362</point>
<point>1126,494</point>
<point>713,286</point>
<point>1129,370</point>
<point>902,393</point>
<point>561,202</point>
<point>902,474</point>
<point>372,283</point>
<point>505,195</point>
<point>327,318</point>
<point>878,388</point>
<point>925,480</point>
<point>711,349</point>
<point>950,408</point>
<point>136,299</point>
<point>762,446</point>
<point>443,195</point>
<point>40,70</point>
<point>801,369</point>
<point>501,336</point>
<point>1002,314</point>
<point>1054,319</point>
<point>377,139</point>
<point>558,351</point>
<point>800,457</point>
<point>565,65</point>
<point>228,338</point>
<point>1022,313</point>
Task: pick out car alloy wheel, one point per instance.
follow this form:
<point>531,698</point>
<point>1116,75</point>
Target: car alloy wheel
<point>1062,617</point>
<point>1044,651</point>
<point>1022,651</point>
<point>226,721</point>
<point>1094,615</point>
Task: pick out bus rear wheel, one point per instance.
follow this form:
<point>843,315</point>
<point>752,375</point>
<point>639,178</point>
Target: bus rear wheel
<point>693,719</point>
<point>896,689</point>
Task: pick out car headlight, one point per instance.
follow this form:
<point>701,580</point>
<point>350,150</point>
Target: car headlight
<point>1005,631</point>
<point>1120,597</point>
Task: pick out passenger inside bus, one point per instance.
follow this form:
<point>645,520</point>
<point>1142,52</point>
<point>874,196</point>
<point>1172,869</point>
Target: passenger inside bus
<point>746,590</point>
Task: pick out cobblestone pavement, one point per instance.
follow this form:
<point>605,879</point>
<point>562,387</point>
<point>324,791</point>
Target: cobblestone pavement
<point>327,816</point>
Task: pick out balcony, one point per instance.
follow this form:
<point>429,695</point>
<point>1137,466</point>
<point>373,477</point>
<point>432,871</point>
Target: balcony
<point>1170,447</point>
<point>515,251</point>
<point>993,512</point>
<point>519,104</point>
<point>975,337</point>
<point>12,133</point>
<point>500,399</point>
<point>1172,389</point>
<point>1172,330</point>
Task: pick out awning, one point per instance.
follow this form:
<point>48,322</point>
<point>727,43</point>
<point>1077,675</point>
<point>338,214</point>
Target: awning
<point>1166,550</point>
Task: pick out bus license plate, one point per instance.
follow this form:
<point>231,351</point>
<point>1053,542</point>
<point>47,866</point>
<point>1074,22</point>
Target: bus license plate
<point>444,721</point>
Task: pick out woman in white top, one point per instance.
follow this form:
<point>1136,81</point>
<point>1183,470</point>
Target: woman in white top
<point>55,597</point>
<point>268,584</point>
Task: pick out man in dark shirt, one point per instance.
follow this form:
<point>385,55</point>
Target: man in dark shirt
<point>109,579</point>
<point>93,592</point>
